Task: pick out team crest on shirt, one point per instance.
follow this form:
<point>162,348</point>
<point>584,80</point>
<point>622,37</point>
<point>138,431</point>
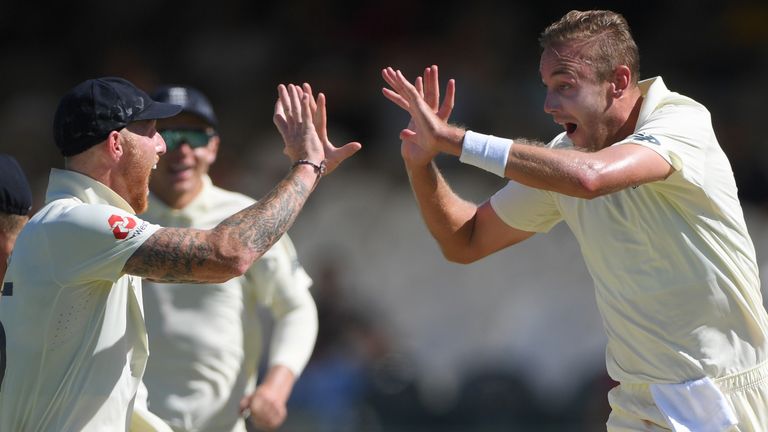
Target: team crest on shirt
<point>642,136</point>
<point>121,225</point>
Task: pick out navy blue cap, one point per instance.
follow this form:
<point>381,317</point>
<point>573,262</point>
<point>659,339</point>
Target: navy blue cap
<point>15,193</point>
<point>192,101</point>
<point>95,107</point>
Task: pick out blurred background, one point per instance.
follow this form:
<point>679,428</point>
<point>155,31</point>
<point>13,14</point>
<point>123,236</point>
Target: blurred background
<point>408,342</point>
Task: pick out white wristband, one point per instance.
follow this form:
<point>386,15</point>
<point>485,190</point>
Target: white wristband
<point>486,151</point>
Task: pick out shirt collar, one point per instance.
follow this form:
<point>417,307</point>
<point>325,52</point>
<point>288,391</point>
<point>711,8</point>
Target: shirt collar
<point>200,203</point>
<point>653,91</point>
<point>64,183</point>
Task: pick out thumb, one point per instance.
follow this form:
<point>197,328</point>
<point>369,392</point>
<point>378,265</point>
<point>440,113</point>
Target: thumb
<point>348,149</point>
<point>245,403</point>
<point>407,134</point>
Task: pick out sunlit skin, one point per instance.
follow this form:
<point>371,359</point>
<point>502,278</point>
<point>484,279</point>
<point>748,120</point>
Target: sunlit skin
<point>594,114</point>
<point>142,147</point>
<point>179,174</point>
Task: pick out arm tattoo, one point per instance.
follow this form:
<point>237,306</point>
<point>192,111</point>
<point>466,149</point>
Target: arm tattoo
<point>191,255</point>
<point>259,226</point>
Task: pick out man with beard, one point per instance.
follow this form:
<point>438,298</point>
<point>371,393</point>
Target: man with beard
<point>75,345</point>
<point>206,339</point>
<point>639,177</point>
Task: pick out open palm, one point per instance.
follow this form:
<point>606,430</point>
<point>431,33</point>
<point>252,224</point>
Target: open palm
<point>423,102</point>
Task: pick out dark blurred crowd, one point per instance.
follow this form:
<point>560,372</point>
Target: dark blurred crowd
<point>238,51</point>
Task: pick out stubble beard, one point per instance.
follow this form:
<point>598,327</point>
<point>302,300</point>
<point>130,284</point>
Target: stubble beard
<point>137,174</point>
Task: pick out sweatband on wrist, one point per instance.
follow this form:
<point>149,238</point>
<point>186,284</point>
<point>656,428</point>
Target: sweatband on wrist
<point>485,151</point>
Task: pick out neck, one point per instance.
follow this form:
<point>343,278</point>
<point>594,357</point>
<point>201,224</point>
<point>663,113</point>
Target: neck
<point>633,103</point>
<point>105,173</point>
<point>178,200</point>
<point>85,166</point>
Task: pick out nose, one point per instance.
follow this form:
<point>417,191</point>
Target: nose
<point>551,103</point>
<point>160,145</point>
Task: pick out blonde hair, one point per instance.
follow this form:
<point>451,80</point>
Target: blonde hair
<point>605,37</point>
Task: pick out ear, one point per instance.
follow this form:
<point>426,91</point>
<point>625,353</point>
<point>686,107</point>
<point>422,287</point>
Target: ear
<point>622,77</point>
<point>115,147</point>
<point>213,149</point>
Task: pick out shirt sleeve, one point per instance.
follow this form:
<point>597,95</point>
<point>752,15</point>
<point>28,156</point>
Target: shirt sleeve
<point>678,133</point>
<point>92,242</point>
<point>279,281</point>
<point>526,208</point>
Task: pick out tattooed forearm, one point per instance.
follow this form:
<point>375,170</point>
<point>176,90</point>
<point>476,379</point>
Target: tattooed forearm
<point>259,226</point>
<point>190,255</point>
<point>171,255</point>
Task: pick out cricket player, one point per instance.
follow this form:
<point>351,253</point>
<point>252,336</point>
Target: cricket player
<point>75,342</point>
<point>640,178</point>
<point>206,340</point>
<point>15,205</point>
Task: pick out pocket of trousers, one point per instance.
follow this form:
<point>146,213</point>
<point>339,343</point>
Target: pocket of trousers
<point>694,406</point>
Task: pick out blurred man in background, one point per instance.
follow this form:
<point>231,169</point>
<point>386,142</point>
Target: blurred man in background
<point>15,205</point>
<point>206,340</point>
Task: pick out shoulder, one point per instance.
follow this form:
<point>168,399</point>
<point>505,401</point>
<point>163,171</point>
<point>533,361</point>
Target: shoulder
<point>560,141</point>
<point>229,199</point>
<point>83,223</point>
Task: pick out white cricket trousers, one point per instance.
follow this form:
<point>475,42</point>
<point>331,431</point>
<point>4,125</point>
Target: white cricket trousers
<point>633,408</point>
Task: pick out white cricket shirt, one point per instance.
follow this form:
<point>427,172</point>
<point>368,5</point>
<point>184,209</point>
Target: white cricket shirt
<point>205,339</point>
<point>75,340</point>
<point>674,268</point>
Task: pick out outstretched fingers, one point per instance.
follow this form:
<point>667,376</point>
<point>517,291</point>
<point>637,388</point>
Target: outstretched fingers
<point>447,106</point>
<point>393,94</point>
<point>296,94</point>
<point>431,87</point>
<point>321,120</point>
<point>285,100</point>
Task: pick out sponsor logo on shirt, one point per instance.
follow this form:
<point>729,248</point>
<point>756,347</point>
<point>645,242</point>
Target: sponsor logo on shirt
<point>121,225</point>
<point>140,229</point>
<point>642,136</point>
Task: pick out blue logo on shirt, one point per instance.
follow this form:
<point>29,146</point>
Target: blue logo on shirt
<point>641,136</point>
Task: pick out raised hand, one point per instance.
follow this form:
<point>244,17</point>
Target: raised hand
<point>333,155</point>
<point>420,139</point>
<point>293,118</point>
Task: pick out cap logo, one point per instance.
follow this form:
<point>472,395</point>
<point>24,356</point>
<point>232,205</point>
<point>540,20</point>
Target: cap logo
<point>177,96</point>
<point>121,226</point>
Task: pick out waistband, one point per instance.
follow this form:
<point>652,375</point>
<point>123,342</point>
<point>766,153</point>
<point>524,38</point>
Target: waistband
<point>751,377</point>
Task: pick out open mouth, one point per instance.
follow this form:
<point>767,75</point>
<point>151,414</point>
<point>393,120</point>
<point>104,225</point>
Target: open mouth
<point>176,169</point>
<point>570,128</point>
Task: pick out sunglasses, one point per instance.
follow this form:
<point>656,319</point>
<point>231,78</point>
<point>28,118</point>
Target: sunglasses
<point>195,138</point>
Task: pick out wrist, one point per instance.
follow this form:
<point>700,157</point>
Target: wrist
<point>452,140</point>
<point>318,167</point>
<point>306,165</point>
<point>485,151</point>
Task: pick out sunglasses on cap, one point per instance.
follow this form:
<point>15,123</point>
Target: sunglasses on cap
<point>195,138</point>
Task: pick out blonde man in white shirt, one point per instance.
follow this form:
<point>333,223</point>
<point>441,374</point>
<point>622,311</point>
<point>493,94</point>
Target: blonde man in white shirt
<point>206,339</point>
<point>642,182</point>
<point>76,345</point>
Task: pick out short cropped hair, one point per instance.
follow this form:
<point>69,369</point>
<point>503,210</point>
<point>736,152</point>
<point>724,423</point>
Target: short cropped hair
<point>11,223</point>
<point>607,40</point>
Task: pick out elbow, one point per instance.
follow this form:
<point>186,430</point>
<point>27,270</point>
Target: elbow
<point>241,263</point>
<point>590,185</point>
<point>459,257</point>
<point>234,264</point>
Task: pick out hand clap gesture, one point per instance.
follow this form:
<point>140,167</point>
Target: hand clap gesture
<point>422,139</point>
<point>301,121</point>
